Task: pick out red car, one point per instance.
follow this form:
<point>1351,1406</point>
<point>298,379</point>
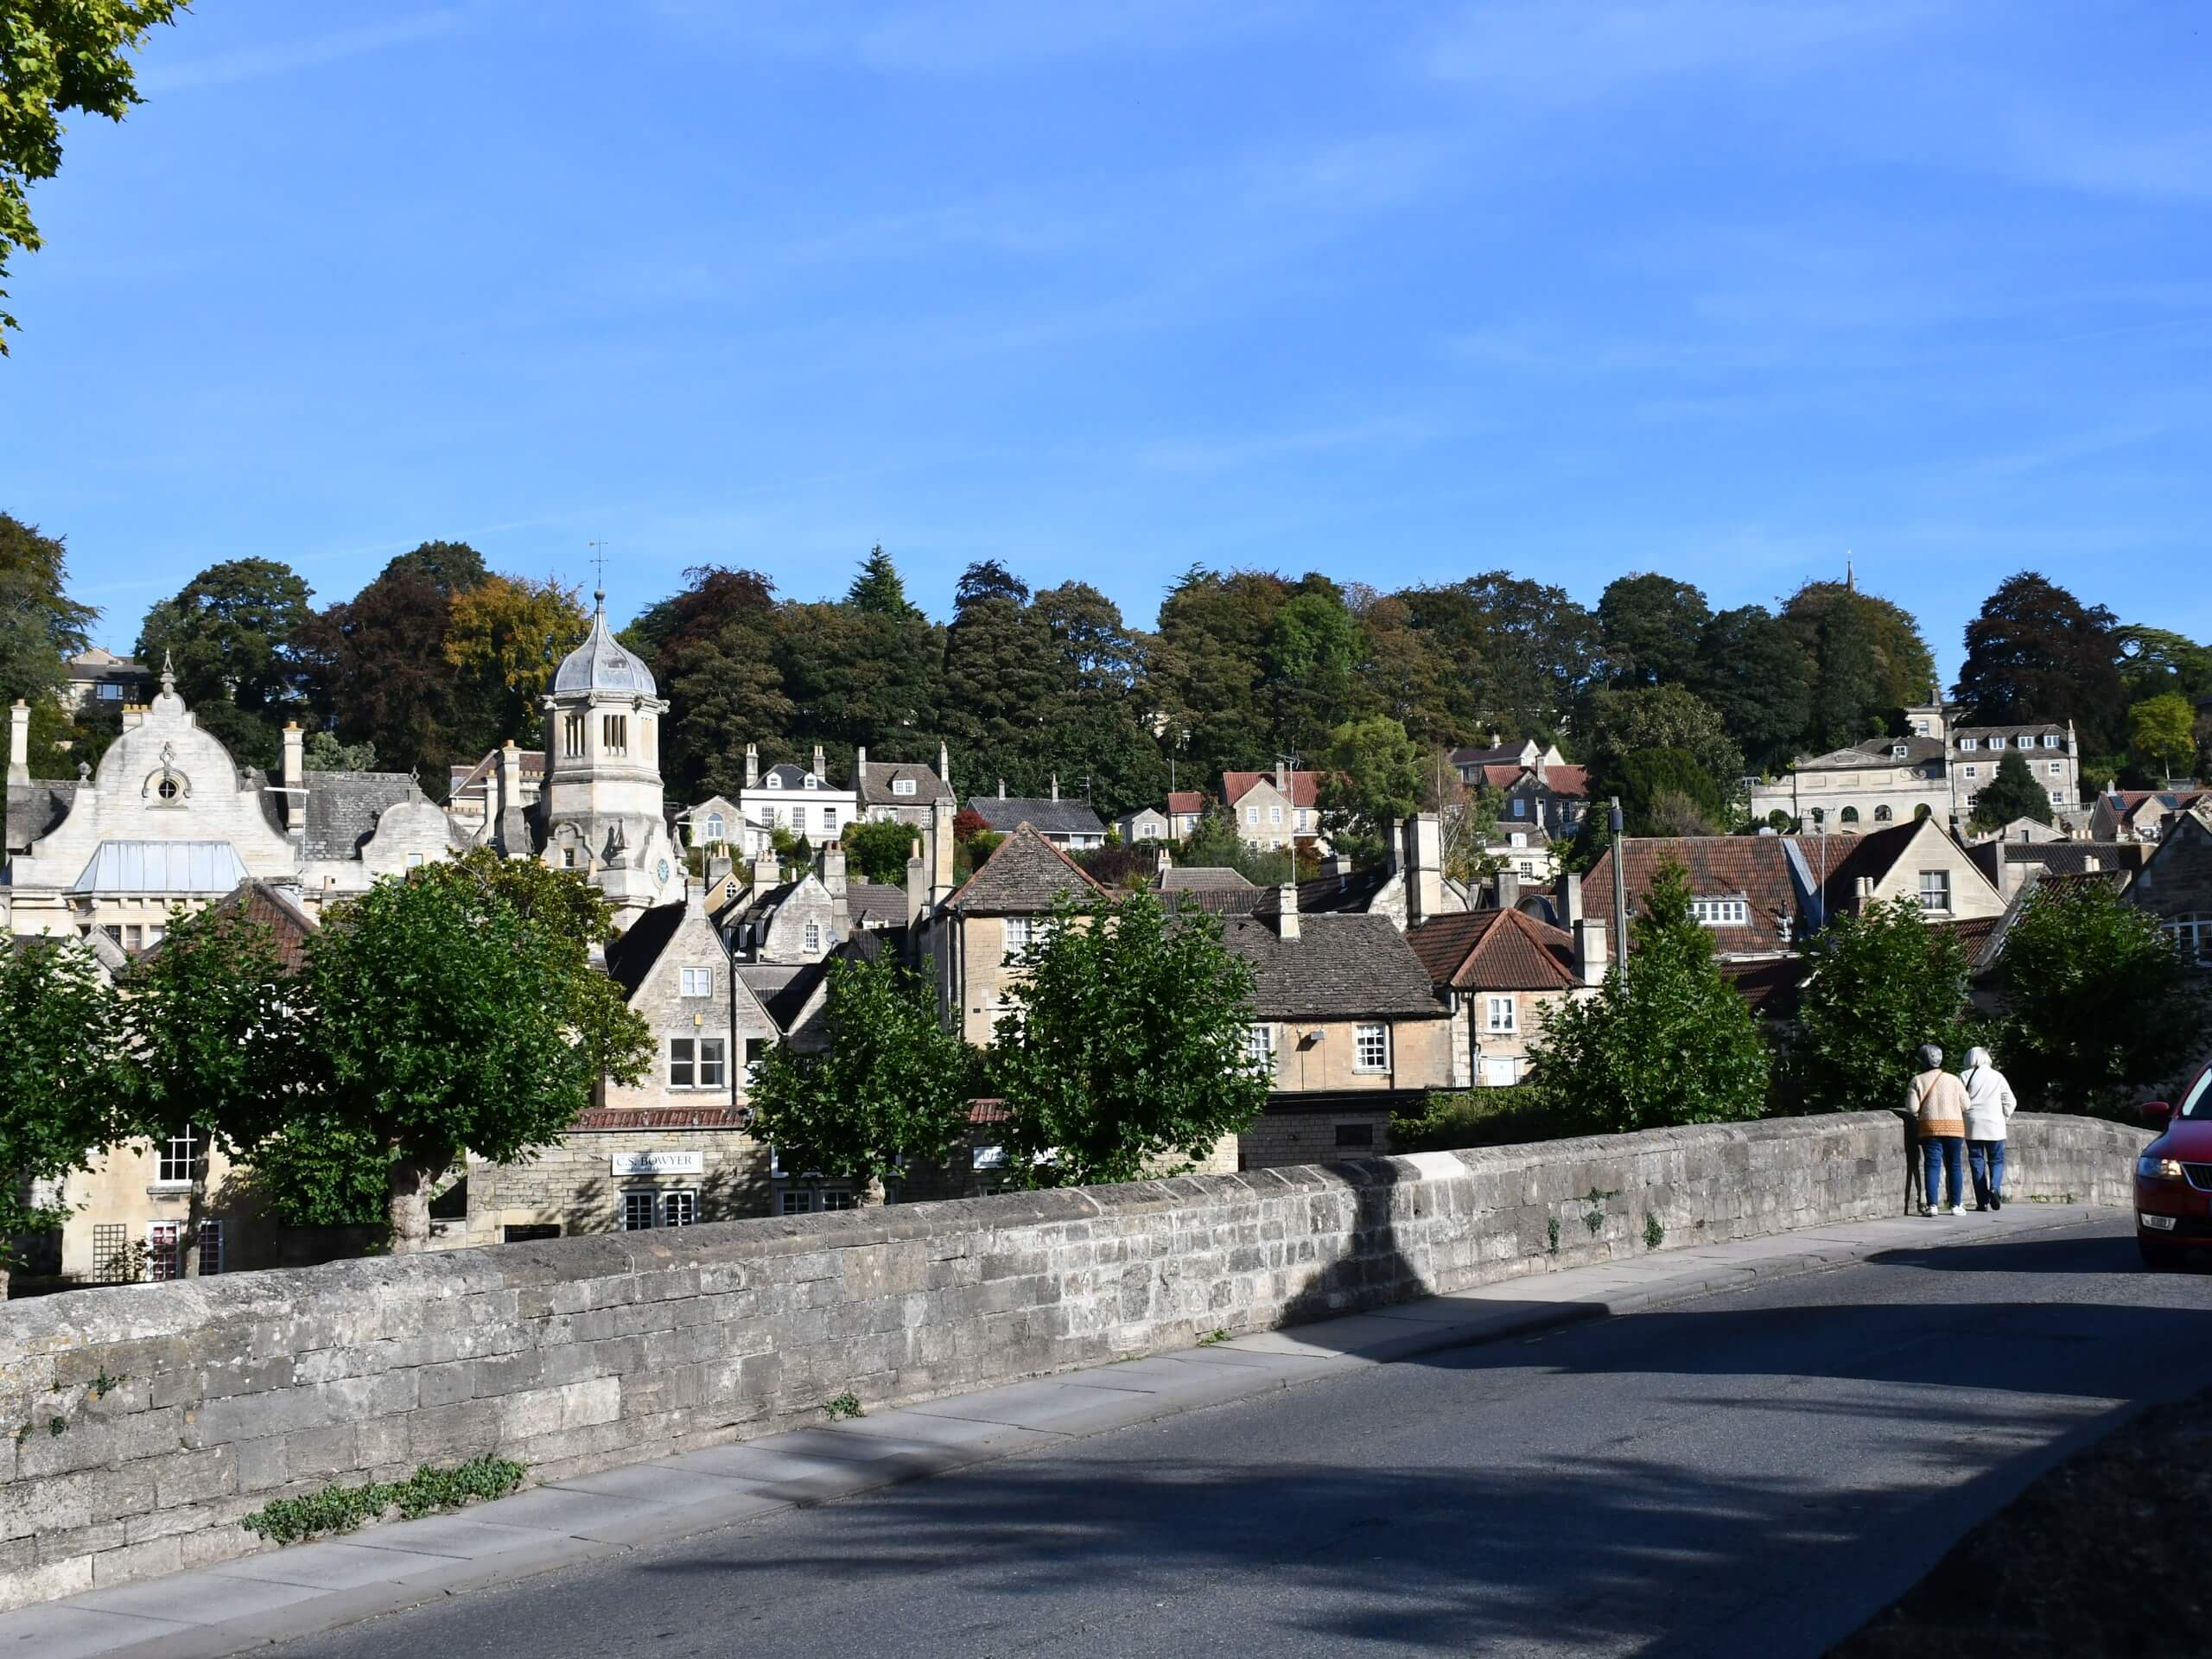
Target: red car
<point>2173,1180</point>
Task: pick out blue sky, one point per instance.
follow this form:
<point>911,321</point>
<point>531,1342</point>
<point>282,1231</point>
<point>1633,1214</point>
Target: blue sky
<point>1104,288</point>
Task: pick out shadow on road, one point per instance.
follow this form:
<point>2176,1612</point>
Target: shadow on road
<point>2105,1253</point>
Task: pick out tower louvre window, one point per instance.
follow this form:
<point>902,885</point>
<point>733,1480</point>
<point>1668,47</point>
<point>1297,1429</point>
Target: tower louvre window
<point>572,735</point>
<point>614,733</point>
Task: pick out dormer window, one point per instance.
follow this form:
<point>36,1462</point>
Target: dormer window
<point>2050,739</point>
<point>1968,745</point>
<point>1997,742</point>
<point>902,787</point>
<point>1896,751</point>
<point>1721,912</point>
<point>812,782</point>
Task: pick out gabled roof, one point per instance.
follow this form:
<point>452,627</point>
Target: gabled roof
<point>1180,801</point>
<point>274,908</point>
<point>1494,755</point>
<point>1876,752</point>
<point>1339,967</point>
<point>1754,868</point>
<point>632,956</point>
<point>343,807</point>
<point>877,778</point>
<point>1304,786</point>
<point>875,904</point>
<point>1196,878</point>
<point>2068,857</point>
<point>789,774</point>
<point>1567,780</point>
<point>1494,950</point>
<point>1003,813</point>
<point>1025,876</point>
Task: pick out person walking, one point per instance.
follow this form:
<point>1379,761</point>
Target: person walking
<point>1989,1104</point>
<point>1938,1101</point>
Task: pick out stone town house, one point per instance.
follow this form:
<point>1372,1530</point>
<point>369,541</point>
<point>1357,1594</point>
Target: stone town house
<point>2175,885</point>
<point>1498,973</point>
<point>1274,809</point>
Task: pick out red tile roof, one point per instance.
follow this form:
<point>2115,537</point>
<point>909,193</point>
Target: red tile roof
<point>1770,986</point>
<point>664,1118</point>
<point>261,901</point>
<point>1567,780</point>
<point>1304,786</point>
<point>1754,868</point>
<point>1185,800</point>
<point>1494,950</point>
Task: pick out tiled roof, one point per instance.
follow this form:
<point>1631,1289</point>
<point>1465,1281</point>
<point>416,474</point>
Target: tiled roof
<point>1502,774</point>
<point>1976,937</point>
<point>1004,813</point>
<point>1194,878</point>
<point>1185,800</point>
<point>1567,780</point>
<point>1496,754</point>
<point>632,956</point>
<point>343,808</point>
<point>877,778</point>
<point>265,902</point>
<point>1494,950</point>
<point>1339,967</point>
<point>1754,868</point>
<point>617,1118</point>
<point>1304,786</point>
<point>1024,877</point>
<point>1770,986</point>
<point>2070,857</point>
<point>36,809</point>
<point>1871,856</point>
<point>875,904</point>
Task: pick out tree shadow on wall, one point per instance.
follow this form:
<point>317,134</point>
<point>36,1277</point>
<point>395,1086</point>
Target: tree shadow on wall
<point>1374,1271</point>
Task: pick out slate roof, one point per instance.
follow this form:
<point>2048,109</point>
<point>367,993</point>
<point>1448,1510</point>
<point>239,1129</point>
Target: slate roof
<point>875,904</point>
<point>1494,950</point>
<point>1051,817</point>
<point>343,808</point>
<point>789,774</point>
<point>878,776</point>
<point>36,809</point>
<point>1496,754</point>
<point>603,664</point>
<point>1983,734</point>
<point>1874,752</point>
<point>1304,786</point>
<point>1199,877</point>
<point>2068,857</point>
<point>1754,868</point>
<point>1024,877</point>
<point>1180,801</point>
<point>632,956</point>
<point>1339,967</point>
<point>275,908</point>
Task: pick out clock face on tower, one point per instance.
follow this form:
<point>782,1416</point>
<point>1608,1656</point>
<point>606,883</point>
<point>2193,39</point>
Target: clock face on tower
<point>663,869</point>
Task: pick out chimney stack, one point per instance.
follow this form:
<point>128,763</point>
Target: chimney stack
<point>1166,862</point>
<point>767,869</point>
<point>1865,894</point>
<point>1286,913</point>
<point>860,776</point>
<point>1590,951</point>
<point>295,751</point>
<point>1056,785</point>
<point>1002,789</point>
<point>940,850</point>
<point>509,832</point>
<point>1570,899</point>
<point>821,770</point>
<point>944,764</point>
<point>19,745</point>
<point>917,883</point>
<point>833,868</point>
<point>1508,890</point>
<point>1424,868</point>
<point>752,766</point>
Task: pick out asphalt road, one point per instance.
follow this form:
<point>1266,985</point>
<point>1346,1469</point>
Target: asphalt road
<point>1750,1474</point>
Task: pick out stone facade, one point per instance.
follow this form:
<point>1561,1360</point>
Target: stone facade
<point>185,1406</point>
<point>2175,885</point>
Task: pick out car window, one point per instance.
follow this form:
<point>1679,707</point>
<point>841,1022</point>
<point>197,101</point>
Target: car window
<point>2199,1103</point>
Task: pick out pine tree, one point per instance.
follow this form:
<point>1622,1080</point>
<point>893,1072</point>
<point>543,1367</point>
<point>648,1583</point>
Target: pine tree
<point>2014,793</point>
<point>878,587</point>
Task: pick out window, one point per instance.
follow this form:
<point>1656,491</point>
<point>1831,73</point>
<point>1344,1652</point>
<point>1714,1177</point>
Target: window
<point>1021,930</point>
<point>813,936</point>
<point>637,1210</point>
<point>1518,838</point>
<point>167,789</point>
<point>164,1250</point>
<point>1275,814</point>
<point>902,786</point>
<point>108,692</point>
<point>1934,889</point>
<point>772,816</point>
<point>567,858</point>
<point>714,826</point>
<point>113,930</point>
<point>798,820</point>
<point>1528,867</point>
<point>1370,1048</point>
<point>698,982</point>
<point>682,1063</point>
<point>1850,815</point>
<point>836,1197</point>
<point>1355,1134</point>
<point>1721,912</point>
<point>2057,769</point>
<point>1305,818</point>
<point>1997,742</point>
<point>729,888</point>
<point>710,1062</point>
<point>679,1209</point>
<point>1499,1016</point>
<point>2058,797</point>
<point>572,735</point>
<point>211,1248</point>
<point>1966,745</point>
<point>1882,814</point>
<point>1896,751</point>
<point>795,1201</point>
<point>828,820</point>
<point>173,1164</point>
<point>1819,815</point>
<point>2192,933</point>
<point>614,733</point>
<point>810,782</point>
<point>756,1050</point>
<point>1973,771</point>
<point>1252,816</point>
<point>1260,1043</point>
<point>414,861</point>
<point>1920,728</point>
<point>1520,806</point>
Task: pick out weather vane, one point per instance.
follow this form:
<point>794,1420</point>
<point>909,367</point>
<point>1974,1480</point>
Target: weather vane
<point>599,565</point>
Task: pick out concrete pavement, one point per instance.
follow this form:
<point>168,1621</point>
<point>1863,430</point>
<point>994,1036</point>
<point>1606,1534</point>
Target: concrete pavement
<point>592,1522</point>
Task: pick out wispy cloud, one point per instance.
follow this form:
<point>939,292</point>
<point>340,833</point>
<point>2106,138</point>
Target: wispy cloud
<point>288,57</point>
<point>1568,49</point>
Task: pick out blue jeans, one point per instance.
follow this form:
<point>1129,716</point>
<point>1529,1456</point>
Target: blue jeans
<point>1986,1160</point>
<point>1941,1151</point>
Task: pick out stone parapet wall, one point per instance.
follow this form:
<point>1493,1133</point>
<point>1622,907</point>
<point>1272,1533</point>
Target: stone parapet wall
<point>181,1407</point>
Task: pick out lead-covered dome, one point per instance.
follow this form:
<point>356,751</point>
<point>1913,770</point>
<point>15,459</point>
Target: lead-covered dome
<point>603,664</point>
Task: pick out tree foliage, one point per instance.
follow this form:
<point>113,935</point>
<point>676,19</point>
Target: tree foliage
<point>1878,985</point>
<point>61,1053</point>
<point>1373,774</point>
<point>1869,660</point>
<point>1756,675</point>
<point>506,635</point>
<point>2097,999</point>
<point>892,1087</point>
<point>2162,732</point>
<point>877,850</point>
<point>1650,628</point>
<point>2014,793</point>
<point>56,56</point>
<point>1123,1052</point>
<point>2035,652</point>
<point>1617,725</point>
<point>40,626</point>
<point>1665,1041</point>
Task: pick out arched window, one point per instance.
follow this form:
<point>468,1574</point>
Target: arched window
<point>1850,815</point>
<point>1881,815</point>
<point>714,826</point>
<point>1819,815</point>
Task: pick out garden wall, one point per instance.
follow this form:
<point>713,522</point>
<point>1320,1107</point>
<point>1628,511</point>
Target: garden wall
<point>137,1424</point>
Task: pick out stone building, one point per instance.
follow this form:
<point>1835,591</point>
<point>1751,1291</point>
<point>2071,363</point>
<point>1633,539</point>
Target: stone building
<point>1274,809</point>
<point>973,940</point>
<point>2175,885</point>
<point>96,676</point>
<point>901,791</point>
<point>1497,972</point>
<point>1070,824</point>
<point>801,799</point>
<point>2144,815</point>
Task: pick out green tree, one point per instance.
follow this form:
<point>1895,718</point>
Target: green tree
<point>877,851</point>
<point>2097,999</point>
<point>892,1086</point>
<point>379,665</point>
<point>214,1032</point>
<point>1617,724</point>
<point>506,635</point>
<point>446,1018</point>
<point>322,751</point>
<point>2035,652</point>
<point>1208,671</point>
<point>2162,730</point>
<point>60,1052</point>
<point>2155,660</point>
<point>1666,792</point>
<point>1374,773</point>
<point>1665,1041</point>
<point>56,56</point>
<point>1313,655</point>
<point>2013,793</point>
<point>1524,650</point>
<point>233,635</point>
<point>452,568</point>
<point>1878,985</point>
<point>1759,679</point>
<point>878,588</point>
<point>1870,660</point>
<point>1648,628</point>
<point>1124,1051</point>
<point>39,626</point>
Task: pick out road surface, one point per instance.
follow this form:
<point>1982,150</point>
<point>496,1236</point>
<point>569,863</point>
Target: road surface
<point>1751,1473</point>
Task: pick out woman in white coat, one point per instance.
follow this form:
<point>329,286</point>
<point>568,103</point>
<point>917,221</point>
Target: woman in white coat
<point>1989,1104</point>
